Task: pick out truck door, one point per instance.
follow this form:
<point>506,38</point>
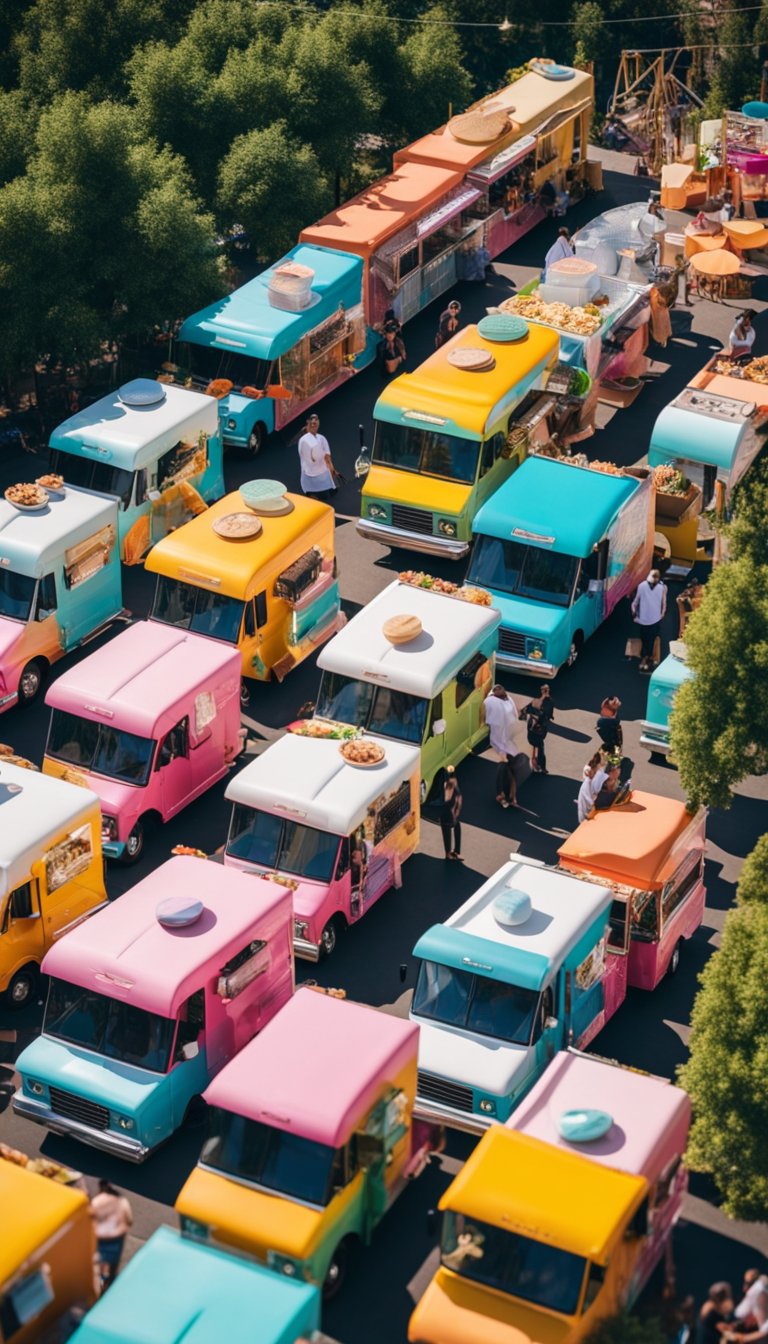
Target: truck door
<point>588,605</point>
<point>175,768</point>
<point>25,936</point>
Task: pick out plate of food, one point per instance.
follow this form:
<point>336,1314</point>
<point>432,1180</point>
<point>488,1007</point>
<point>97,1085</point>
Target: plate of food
<point>27,497</point>
<point>237,526</point>
<point>53,484</point>
<point>362,752</point>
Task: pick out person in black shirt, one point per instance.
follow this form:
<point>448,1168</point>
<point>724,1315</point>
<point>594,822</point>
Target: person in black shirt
<point>609,725</point>
<point>539,713</point>
<point>450,811</point>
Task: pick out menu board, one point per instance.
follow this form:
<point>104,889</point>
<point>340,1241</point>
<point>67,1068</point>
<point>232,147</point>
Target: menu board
<point>70,857</point>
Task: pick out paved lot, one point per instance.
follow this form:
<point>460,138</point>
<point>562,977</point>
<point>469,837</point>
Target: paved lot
<point>650,1031</point>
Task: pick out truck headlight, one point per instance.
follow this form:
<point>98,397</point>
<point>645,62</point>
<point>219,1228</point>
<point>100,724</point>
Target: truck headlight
<point>196,1231</point>
<point>109,828</point>
<point>300,927</point>
<point>287,1265</point>
<point>446,527</point>
<point>487,1106</point>
<point>124,1122</point>
<point>35,1088</point>
<point>536,649</point>
<point>377,511</point>
<point>231,423</point>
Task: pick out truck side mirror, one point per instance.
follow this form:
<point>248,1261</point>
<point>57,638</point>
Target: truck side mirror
<point>438,727</point>
<point>433,1219</point>
<point>550,1023</point>
<point>403,972</point>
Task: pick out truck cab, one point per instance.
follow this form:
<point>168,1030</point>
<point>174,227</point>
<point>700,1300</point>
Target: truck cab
<point>665,682</point>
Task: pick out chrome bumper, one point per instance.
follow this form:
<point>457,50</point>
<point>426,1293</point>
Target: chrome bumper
<point>7,700</point>
<point>40,1114</point>
<point>467,1121</point>
<point>308,951</point>
<point>529,667</point>
<point>411,541</point>
<point>651,743</point>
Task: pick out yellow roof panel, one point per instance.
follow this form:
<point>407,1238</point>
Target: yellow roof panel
<point>34,1209</point>
<point>525,1185</point>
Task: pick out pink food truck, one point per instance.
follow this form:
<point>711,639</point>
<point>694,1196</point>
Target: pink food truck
<point>335,829</point>
<point>149,999</point>
<point>149,722</point>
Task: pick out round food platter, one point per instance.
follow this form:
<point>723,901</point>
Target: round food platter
<point>266,498</point>
<point>361,747</point>
<point>237,526</point>
<point>472,359</point>
<point>402,629</point>
<point>53,485</point>
<point>476,128</point>
<point>27,498</point>
<point>502,327</point>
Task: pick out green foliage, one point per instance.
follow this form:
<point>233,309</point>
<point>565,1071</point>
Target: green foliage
<point>736,73</point>
<point>272,185</point>
<point>725,1074</point>
<point>592,39</point>
<point>753,880</point>
<point>748,533</point>
<point>719,724</point>
<point>625,1329</point>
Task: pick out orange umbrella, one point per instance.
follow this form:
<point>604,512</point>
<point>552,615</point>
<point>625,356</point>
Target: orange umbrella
<point>716,263</point>
<point>740,229</point>
<point>758,239</point>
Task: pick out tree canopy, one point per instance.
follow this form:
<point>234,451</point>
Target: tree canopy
<point>625,1329</point>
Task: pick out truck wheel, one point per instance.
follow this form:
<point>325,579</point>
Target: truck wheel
<point>337,1272</point>
<point>134,845</point>
<point>255,440</point>
<point>21,989</point>
<point>423,792</point>
<point>675,959</point>
<point>329,937</point>
<point>245,694</point>
<point>30,682</point>
<point>576,644</point>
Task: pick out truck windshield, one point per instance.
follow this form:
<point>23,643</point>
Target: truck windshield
<point>195,609</point>
<point>16,593</point>
<point>427,451</point>
<point>377,708</point>
<point>524,571</point>
<point>285,846</point>
<point>287,1163</point>
<point>116,1030</point>
<point>206,363</point>
<point>488,1007</point>
<point>100,748</point>
<point>536,1272</point>
<point>98,476</point>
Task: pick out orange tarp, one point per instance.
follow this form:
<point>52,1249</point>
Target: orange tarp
<point>368,220</point>
<point>628,843</point>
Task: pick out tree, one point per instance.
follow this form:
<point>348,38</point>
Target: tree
<point>590,32</point>
<point>748,535</point>
<point>435,81</point>
<point>725,1074</point>
<point>753,879</point>
<point>625,1329</point>
<point>272,185</point>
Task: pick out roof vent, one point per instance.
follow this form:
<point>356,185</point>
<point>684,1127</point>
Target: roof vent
<point>512,907</point>
<point>268,499</point>
<point>142,392</point>
<point>583,1126</point>
<point>503,327</point>
<point>472,359</point>
<point>178,912</point>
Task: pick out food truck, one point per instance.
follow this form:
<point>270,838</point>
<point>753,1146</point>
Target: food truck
<point>559,1217</point>
<point>666,680</point>
<point>277,344</point>
<point>557,547</point>
<point>521,970</point>
<point>149,999</point>
<point>46,1250</point>
<point>429,691</point>
<point>60,584</point>
<point>265,584</point>
<point>303,1161</point>
<point>650,852</point>
<point>174,1289</point>
<point>148,722</point>
<point>153,447</point>
<point>51,871</point>
<point>335,818</point>
<point>444,436</point>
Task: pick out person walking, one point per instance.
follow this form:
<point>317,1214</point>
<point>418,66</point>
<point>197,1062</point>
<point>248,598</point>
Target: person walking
<point>539,713</point>
<point>608,725</point>
<point>750,1319</point>
<point>716,1311</point>
<point>502,719</point>
<point>595,775</point>
<point>317,470</point>
<point>391,349</point>
<point>450,812</point>
<point>112,1217</point>
<point>742,336</point>
<point>448,323</point>
<point>648,608</point>
<point>560,249</point>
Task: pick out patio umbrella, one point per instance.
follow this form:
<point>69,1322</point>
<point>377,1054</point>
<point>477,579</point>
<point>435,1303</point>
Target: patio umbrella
<point>716,263</point>
<point>755,235</point>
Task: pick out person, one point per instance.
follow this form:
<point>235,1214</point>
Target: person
<point>539,713</point>
<point>317,469</point>
<point>502,719</point>
<point>608,789</point>
<point>729,209</point>
<point>689,601</point>
<point>595,775</point>
<point>661,322</point>
<point>608,725</point>
<point>750,1319</point>
<point>112,1217</point>
<point>448,324</point>
<point>685,1320</point>
<point>561,248</point>
<point>715,1312</point>
<point>450,812</point>
<point>742,336</point>
<point>547,196</point>
<point>648,608</point>
<point>391,349</point>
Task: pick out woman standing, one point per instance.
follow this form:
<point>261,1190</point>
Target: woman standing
<point>450,811</point>
<point>317,469</point>
<point>595,776</point>
<point>112,1217</point>
<point>742,336</point>
<point>539,713</point>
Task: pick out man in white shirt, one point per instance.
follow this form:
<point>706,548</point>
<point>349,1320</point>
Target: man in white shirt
<point>315,457</point>
<point>752,1311</point>
<point>502,719</point>
<point>561,248</point>
<point>648,608</point>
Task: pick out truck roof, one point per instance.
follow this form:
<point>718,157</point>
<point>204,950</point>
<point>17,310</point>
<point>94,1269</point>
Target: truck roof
<point>630,843</point>
<point>35,1208</point>
<point>526,1186</point>
<point>348,1054</point>
<point>383,209</point>
<point>124,951</point>
<point>177,1289</point>
<point>452,630</point>
<point>650,1115</point>
<point>563,914</point>
<point>139,678</point>
<point>34,543</point>
<point>308,780</point>
<point>550,504</point>
<point>681,433</point>
<point>131,437</point>
<point>245,322</point>
<point>196,554</point>
<point>35,809</point>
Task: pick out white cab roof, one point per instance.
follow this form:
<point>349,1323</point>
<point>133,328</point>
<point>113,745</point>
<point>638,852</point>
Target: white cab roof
<point>131,437</point>
<point>34,811</point>
<point>307,780</point>
<point>34,543</point>
<point>452,630</point>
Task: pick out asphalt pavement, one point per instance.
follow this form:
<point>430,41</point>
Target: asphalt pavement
<point>651,1030</point>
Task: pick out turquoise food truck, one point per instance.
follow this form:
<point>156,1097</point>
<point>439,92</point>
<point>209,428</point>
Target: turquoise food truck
<point>279,343</point>
<point>154,448</point>
<point>665,682</point>
<point>175,1289</point>
<point>558,546</point>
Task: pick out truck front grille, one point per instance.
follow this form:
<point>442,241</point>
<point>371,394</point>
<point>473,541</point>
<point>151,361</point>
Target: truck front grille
<point>432,1088</point>
<point>511,641</point>
<point>412,520</point>
<point>78,1108</point>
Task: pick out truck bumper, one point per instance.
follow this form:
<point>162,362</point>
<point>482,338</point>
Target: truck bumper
<point>113,848</point>
<point>411,541</point>
<point>467,1121</point>
<point>650,741</point>
<point>7,701</point>
<point>529,667</point>
<point>306,950</point>
<point>40,1114</point>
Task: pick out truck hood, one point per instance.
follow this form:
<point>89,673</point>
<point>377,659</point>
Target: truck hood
<point>534,618</point>
<point>248,1218</point>
<point>120,1087</point>
<point>495,1067</point>
<point>424,492</point>
<point>116,798</point>
<point>10,635</point>
<point>455,1311</point>
<point>309,898</point>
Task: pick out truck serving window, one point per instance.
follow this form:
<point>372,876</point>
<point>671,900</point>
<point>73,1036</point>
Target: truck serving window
<point>16,593</point>
<point>523,571</point>
<point>287,846</point>
<point>378,708</point>
<point>195,609</point>
<point>115,1030</point>
<point>206,364</point>
<point>427,451</point>
<point>293,1166</point>
<point>100,748</point>
<point>475,1003</point>
<point>510,1263</point>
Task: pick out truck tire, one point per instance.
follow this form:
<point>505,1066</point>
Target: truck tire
<point>31,682</point>
<point>134,845</point>
<point>255,440</point>
<point>576,646</point>
<point>337,1271</point>
<point>21,989</point>
<point>674,961</point>
<point>329,937</point>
